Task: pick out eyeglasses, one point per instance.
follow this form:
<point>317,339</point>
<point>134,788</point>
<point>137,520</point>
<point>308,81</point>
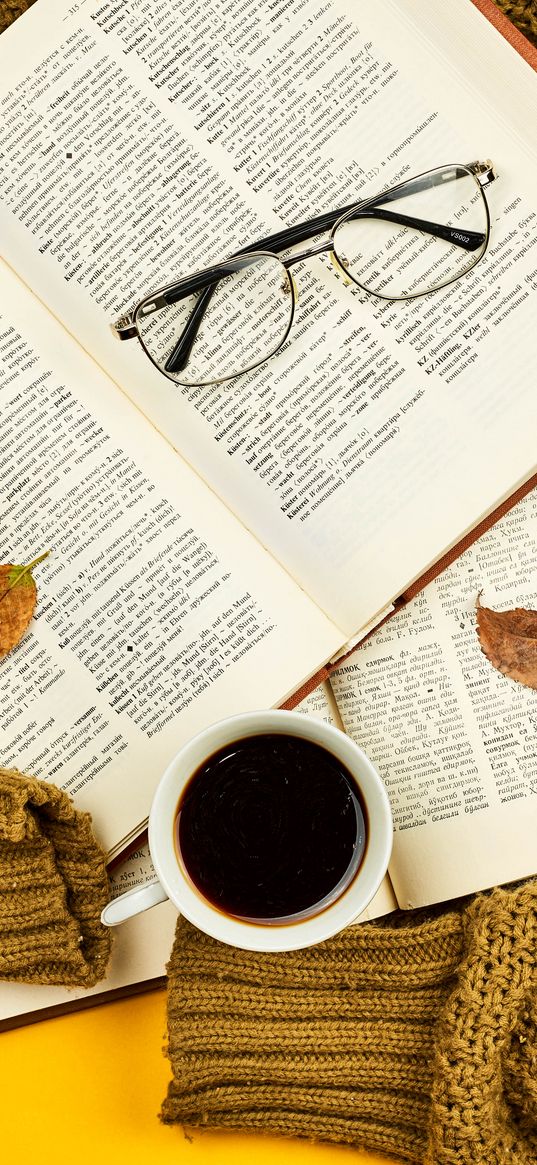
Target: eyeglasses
<point>408,241</point>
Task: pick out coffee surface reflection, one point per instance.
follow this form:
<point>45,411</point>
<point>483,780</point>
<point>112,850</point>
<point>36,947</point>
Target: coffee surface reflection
<point>271,828</point>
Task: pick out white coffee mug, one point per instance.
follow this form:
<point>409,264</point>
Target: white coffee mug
<point>174,883</point>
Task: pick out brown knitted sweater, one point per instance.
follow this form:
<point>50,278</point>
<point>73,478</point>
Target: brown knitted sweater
<point>416,1037</point>
<point>53,886</point>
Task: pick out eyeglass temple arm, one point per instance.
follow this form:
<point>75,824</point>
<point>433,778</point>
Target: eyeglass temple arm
<point>182,348</point>
<point>291,236</point>
<point>458,236</point>
<point>323,222</point>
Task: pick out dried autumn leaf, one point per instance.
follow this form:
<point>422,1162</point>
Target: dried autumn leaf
<point>18,595</point>
<point>509,641</point>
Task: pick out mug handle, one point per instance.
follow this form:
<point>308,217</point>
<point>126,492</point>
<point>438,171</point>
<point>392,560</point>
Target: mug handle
<point>133,902</point>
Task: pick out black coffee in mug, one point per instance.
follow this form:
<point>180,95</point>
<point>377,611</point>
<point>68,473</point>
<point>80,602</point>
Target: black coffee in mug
<point>271,828</point>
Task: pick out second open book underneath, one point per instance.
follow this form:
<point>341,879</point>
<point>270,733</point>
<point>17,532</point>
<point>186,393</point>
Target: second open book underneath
<point>454,740</point>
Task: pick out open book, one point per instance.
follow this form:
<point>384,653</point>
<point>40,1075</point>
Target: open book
<point>187,580</point>
<point>454,740</point>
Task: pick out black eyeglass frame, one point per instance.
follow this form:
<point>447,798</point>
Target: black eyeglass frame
<point>207,279</point>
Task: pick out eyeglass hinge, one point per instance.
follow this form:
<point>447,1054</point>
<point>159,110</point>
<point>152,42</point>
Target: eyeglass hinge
<point>123,328</point>
<point>484,172</point>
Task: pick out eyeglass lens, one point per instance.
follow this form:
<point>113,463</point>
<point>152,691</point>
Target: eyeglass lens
<point>243,317</point>
<point>418,238</point>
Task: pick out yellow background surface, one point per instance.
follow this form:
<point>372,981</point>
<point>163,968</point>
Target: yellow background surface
<point>87,1087</point>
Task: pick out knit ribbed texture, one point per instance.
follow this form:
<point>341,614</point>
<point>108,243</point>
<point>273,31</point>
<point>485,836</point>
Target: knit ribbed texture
<point>413,1037</point>
<point>53,886</point>
<point>485,1077</point>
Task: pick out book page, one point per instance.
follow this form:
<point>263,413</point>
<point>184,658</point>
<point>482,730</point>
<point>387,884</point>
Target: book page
<point>454,740</point>
<point>157,612</point>
<point>137,149</point>
<point>321,703</point>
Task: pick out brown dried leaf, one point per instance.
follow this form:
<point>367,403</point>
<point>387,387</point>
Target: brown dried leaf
<point>509,641</point>
<point>18,595</point>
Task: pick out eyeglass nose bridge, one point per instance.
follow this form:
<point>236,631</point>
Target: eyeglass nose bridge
<point>322,247</point>
<point>317,249</point>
